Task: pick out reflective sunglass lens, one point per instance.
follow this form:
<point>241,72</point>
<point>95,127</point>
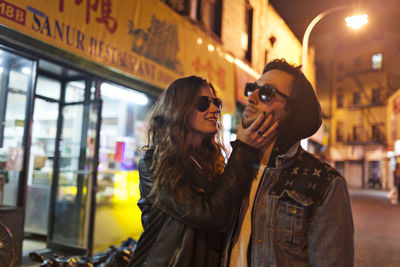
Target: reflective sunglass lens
<point>249,89</point>
<point>218,103</point>
<point>203,103</point>
<point>266,93</point>
<point>263,97</point>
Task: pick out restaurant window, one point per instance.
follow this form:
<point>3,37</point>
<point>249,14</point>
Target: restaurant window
<point>377,61</point>
<point>42,155</point>
<point>16,79</point>
<point>122,137</point>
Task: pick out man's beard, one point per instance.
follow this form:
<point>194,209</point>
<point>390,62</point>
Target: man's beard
<point>246,122</point>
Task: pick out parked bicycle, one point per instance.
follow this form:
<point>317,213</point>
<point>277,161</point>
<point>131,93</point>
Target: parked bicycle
<point>7,247</point>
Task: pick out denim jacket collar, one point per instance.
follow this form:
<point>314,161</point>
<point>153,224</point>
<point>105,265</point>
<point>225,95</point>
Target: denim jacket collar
<point>286,159</point>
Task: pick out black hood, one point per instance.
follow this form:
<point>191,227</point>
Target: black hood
<point>304,119</point>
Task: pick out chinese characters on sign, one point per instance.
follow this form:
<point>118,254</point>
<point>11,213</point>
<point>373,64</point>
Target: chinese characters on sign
<point>144,38</point>
<point>93,5</point>
<point>213,73</point>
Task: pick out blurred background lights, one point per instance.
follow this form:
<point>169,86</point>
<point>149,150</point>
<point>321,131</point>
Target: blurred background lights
<point>356,21</point>
<point>115,92</point>
<point>26,70</point>
<point>246,68</point>
<point>244,39</point>
<point>211,47</point>
<point>219,51</point>
<point>199,41</point>
<point>227,121</point>
<point>229,58</point>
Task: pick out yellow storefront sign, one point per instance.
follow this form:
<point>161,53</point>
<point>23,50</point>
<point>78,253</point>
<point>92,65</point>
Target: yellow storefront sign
<point>142,38</point>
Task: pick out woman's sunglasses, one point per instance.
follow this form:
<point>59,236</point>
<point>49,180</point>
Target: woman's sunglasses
<point>265,93</point>
<point>204,102</point>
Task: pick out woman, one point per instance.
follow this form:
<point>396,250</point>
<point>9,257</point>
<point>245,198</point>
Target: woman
<point>189,198</point>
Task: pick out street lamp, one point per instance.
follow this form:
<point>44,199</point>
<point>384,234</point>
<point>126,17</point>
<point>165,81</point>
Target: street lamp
<point>354,22</point>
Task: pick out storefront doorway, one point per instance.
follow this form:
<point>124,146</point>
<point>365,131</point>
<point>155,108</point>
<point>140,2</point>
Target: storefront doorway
<point>63,156</point>
<point>87,134</point>
<point>70,145</point>
<point>17,78</point>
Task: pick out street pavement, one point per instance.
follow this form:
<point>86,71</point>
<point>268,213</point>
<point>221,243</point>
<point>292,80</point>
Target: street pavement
<point>377,229</point>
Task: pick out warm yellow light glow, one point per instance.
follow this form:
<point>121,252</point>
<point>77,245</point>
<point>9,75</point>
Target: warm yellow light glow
<point>356,21</point>
<point>126,186</point>
<point>229,58</point>
<point>199,41</point>
<point>244,40</point>
<point>219,51</point>
<point>246,68</point>
<point>211,47</point>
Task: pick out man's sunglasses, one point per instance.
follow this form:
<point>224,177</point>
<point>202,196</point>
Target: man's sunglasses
<point>204,102</point>
<point>265,93</point>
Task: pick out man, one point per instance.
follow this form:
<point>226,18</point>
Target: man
<point>298,211</point>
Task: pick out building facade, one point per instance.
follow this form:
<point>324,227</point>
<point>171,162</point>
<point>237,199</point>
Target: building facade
<point>77,81</point>
<point>355,87</point>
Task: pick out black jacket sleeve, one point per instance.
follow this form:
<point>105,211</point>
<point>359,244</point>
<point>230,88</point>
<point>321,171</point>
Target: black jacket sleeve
<point>215,211</point>
<point>145,185</point>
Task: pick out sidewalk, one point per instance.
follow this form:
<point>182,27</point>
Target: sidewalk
<point>363,195</point>
<point>368,192</point>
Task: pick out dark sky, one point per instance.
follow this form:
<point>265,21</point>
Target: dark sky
<point>382,14</point>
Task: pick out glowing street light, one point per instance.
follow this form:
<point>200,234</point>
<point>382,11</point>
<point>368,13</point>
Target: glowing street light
<point>356,21</point>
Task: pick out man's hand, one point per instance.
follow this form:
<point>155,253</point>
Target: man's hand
<point>260,133</point>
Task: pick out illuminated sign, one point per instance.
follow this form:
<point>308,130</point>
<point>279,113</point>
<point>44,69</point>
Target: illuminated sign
<point>142,38</point>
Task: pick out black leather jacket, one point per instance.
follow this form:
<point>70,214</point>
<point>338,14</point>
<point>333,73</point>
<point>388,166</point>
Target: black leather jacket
<point>192,232</point>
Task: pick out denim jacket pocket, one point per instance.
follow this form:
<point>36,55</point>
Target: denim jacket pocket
<point>291,221</point>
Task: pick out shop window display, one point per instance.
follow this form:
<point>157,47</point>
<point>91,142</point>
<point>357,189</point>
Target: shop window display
<point>41,157</point>
<point>15,84</point>
<point>122,136</point>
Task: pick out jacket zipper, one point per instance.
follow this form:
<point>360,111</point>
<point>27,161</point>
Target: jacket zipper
<point>174,257</point>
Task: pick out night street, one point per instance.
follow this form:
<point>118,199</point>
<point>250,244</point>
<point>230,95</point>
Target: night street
<point>377,231</point>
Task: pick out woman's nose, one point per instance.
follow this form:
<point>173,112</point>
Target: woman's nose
<point>213,108</point>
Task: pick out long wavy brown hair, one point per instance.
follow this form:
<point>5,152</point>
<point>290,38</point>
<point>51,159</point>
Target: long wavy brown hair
<point>169,135</point>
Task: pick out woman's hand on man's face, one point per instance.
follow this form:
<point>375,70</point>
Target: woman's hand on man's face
<point>261,132</point>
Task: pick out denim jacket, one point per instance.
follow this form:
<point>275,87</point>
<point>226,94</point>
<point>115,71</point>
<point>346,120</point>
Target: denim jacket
<point>301,215</point>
